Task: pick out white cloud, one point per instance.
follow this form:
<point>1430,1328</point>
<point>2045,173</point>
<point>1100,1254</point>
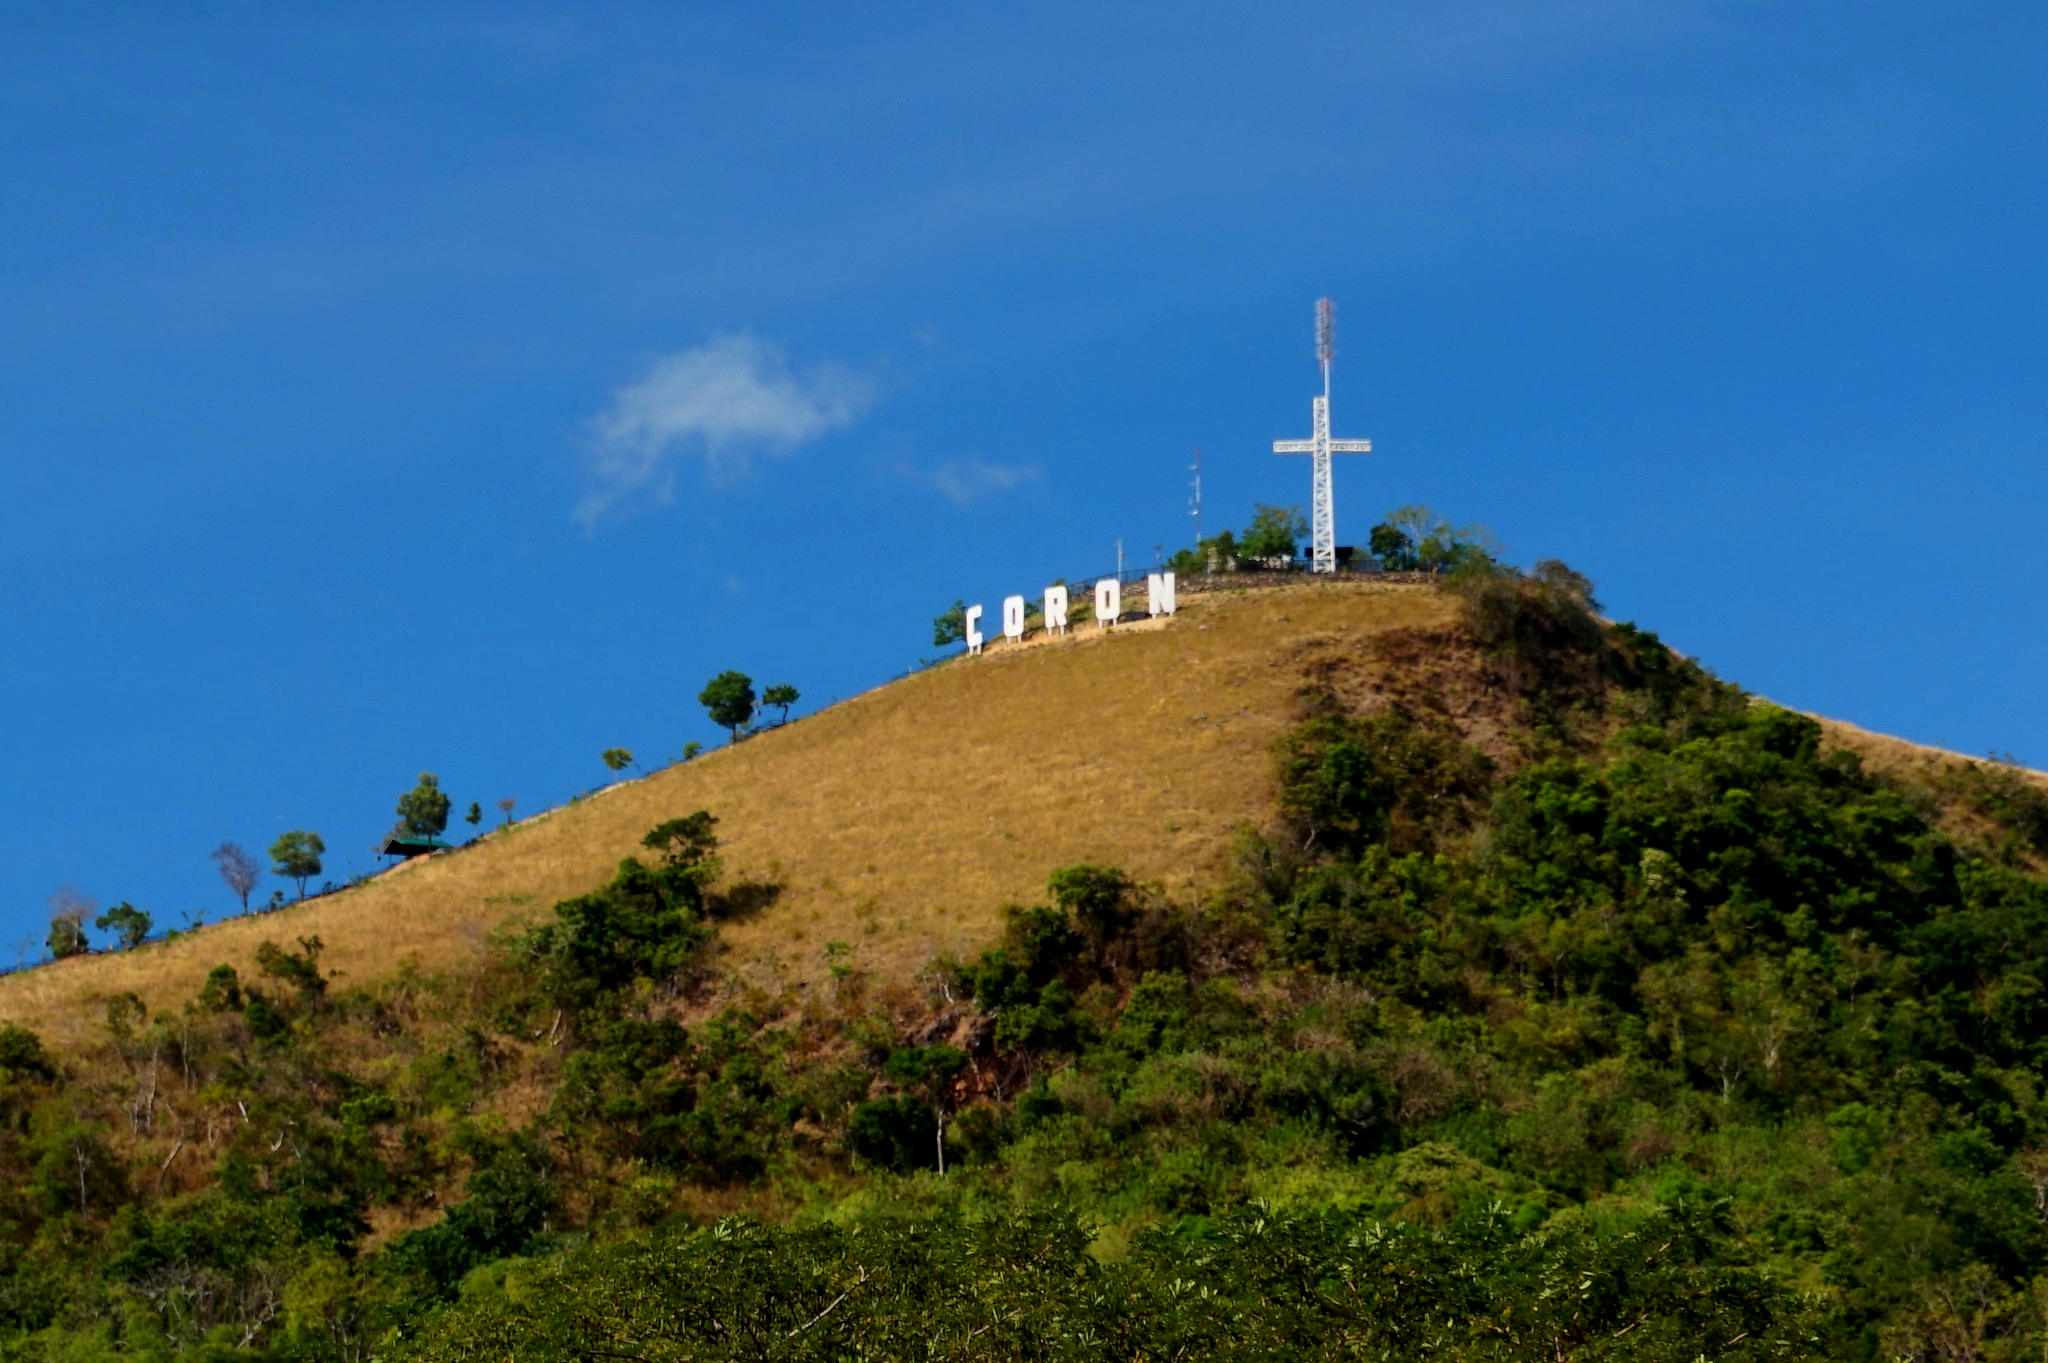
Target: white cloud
<point>966,481</point>
<point>727,403</point>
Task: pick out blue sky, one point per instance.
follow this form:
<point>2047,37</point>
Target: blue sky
<point>457,388</point>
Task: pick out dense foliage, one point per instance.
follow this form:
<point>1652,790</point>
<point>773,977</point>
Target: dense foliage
<point>1251,1285</point>
<point>1652,1030</point>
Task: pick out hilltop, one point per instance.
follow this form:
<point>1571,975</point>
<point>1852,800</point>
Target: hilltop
<point>1447,949</point>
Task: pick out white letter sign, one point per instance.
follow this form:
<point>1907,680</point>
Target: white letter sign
<point>1109,602</point>
<point>972,619</point>
<point>1159,593</point>
<point>1013,617</point>
<point>1056,610</point>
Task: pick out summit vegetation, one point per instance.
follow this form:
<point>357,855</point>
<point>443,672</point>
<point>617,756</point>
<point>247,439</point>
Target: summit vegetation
<point>1549,998</point>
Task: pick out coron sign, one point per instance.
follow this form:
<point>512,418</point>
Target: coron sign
<point>1109,607</point>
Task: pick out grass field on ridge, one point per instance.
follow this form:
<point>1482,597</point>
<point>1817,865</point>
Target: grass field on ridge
<point>899,821</point>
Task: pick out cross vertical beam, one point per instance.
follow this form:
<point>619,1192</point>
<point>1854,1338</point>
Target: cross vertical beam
<point>1319,445</point>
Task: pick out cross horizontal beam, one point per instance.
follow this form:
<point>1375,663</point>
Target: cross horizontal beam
<point>1335,447</point>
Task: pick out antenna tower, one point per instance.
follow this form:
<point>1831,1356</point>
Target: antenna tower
<point>1195,503</point>
<point>1323,518</point>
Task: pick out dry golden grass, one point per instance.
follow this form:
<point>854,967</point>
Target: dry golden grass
<point>1899,758</point>
<point>898,822</point>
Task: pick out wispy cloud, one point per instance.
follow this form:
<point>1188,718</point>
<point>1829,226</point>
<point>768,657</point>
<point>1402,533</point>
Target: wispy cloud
<point>726,403</point>
<point>964,482</point>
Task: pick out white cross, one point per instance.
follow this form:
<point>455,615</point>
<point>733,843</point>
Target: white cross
<point>1323,531</point>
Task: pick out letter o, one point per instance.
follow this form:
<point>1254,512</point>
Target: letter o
<point>1109,601</point>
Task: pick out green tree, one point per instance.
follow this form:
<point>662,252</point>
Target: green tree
<point>927,1073</point>
<point>129,924</point>
<point>67,937</point>
<point>475,815</point>
<point>618,759</point>
<point>1391,545</point>
<point>1273,533</point>
<point>1215,554</point>
<point>729,699</point>
<point>647,922</point>
<point>300,969</point>
<point>296,856</point>
<point>689,855</point>
<point>691,749</point>
<point>22,1054</point>
<point>423,810</point>
<point>781,697</point>
<point>222,992</point>
<point>1426,542</point>
<point>950,625</point>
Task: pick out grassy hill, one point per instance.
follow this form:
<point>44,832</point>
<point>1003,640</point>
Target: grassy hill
<point>1364,969</point>
<point>898,822</point>
<point>901,821</point>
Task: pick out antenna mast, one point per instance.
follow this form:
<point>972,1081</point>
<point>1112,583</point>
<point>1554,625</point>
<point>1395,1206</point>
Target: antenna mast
<point>1326,339</point>
<point>1196,502</point>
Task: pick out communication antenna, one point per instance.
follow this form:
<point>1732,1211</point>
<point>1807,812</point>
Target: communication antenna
<point>1326,338</point>
<point>1195,503</point>
<point>1119,560</point>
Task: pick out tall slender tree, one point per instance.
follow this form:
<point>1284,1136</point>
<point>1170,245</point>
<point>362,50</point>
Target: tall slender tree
<point>238,870</point>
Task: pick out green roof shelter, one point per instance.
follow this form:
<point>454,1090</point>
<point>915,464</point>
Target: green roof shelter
<point>406,845</point>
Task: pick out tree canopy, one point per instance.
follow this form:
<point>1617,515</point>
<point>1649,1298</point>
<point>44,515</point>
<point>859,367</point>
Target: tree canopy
<point>729,699</point>
<point>423,810</point>
<point>296,856</point>
<point>950,625</point>
<point>129,924</point>
<point>1275,533</point>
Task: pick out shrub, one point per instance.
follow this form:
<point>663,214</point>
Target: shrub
<point>647,922</point>
<point>1348,783</point>
<point>895,1133</point>
<point>222,992</point>
<point>22,1054</point>
<point>1540,628</point>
